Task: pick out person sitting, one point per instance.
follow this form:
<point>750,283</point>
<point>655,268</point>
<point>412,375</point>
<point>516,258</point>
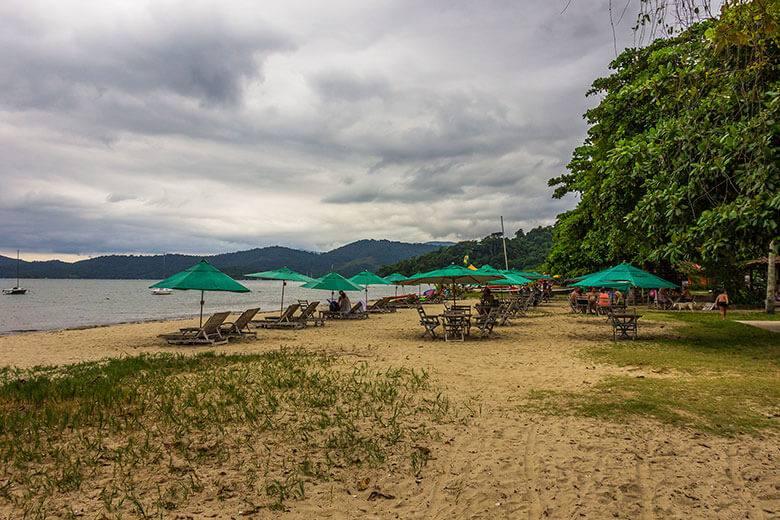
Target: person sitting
<point>344,304</point>
<point>685,296</point>
<point>591,295</point>
<point>602,301</point>
<point>487,298</point>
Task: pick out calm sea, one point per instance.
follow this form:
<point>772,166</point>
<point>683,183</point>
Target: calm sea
<point>58,304</point>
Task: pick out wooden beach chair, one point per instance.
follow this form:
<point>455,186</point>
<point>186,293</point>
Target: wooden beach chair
<point>380,306</point>
<point>486,322</point>
<point>284,321</point>
<point>240,327</point>
<point>308,315</point>
<point>207,334</point>
<point>429,322</point>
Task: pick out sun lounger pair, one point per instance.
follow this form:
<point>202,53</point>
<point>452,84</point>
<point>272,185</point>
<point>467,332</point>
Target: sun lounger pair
<point>215,331</point>
<point>290,320</point>
<point>381,306</point>
<point>355,313</point>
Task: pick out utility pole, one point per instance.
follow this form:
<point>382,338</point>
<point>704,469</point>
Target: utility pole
<point>503,239</point>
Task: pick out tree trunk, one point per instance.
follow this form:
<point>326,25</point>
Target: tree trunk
<point>771,279</point>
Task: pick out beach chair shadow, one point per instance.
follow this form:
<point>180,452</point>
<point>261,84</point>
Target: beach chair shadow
<point>207,334</point>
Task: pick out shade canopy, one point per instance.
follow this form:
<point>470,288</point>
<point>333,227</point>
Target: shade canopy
<point>282,273</point>
<point>451,273</point>
<point>395,277</point>
<point>527,274</point>
<point>369,278</point>
<point>625,274</point>
<point>506,276</point>
<point>202,277</point>
<point>333,282</point>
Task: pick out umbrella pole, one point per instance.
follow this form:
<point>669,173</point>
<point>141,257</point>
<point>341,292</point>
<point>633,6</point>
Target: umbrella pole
<point>281,307</point>
<point>453,291</point>
<point>201,308</point>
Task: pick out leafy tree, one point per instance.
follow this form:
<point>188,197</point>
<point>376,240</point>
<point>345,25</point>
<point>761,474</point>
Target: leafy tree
<point>524,251</point>
<point>681,162</point>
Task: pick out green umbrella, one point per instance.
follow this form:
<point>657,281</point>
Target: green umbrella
<point>527,274</point>
<point>202,277</point>
<point>394,279</point>
<point>332,282</point>
<point>625,274</point>
<point>367,278</point>
<point>284,274</point>
<point>505,275</point>
<point>452,274</point>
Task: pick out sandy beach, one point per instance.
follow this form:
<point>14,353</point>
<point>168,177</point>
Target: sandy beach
<point>505,462</point>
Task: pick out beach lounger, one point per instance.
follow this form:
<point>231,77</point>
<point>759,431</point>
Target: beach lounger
<point>240,327</point>
<point>486,322</point>
<point>308,315</point>
<point>429,322</point>
<point>285,321</point>
<point>380,306</point>
<point>355,313</point>
<point>208,334</point>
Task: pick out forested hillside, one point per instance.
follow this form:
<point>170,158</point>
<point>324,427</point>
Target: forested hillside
<point>347,260</point>
<point>524,251</point>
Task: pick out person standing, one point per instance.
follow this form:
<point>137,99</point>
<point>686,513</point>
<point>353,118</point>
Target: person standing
<point>722,301</point>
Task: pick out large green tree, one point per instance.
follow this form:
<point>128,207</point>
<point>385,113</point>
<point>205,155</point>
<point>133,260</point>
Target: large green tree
<point>681,161</point>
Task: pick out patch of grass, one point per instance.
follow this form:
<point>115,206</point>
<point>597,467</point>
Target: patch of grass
<point>714,376</point>
<point>164,431</point>
<point>702,343</point>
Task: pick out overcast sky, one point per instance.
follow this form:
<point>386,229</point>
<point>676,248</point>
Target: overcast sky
<point>206,127</point>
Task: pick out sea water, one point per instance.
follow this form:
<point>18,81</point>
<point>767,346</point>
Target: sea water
<point>60,304</point>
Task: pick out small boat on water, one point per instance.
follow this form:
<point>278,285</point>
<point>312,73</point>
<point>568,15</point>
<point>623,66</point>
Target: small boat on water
<point>159,291</point>
<point>18,289</point>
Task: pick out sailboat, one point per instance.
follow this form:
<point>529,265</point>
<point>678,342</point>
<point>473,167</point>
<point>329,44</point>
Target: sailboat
<point>18,289</point>
<point>159,291</point>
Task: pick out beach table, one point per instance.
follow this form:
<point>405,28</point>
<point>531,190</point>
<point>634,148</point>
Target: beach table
<point>624,325</point>
<point>456,323</point>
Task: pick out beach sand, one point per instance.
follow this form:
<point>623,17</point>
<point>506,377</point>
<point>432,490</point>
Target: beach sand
<point>505,462</point>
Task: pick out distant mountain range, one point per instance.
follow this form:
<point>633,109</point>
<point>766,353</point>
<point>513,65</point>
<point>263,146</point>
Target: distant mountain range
<point>347,260</point>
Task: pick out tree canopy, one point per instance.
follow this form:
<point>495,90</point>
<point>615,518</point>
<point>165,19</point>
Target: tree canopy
<point>681,162</point>
<point>524,251</point>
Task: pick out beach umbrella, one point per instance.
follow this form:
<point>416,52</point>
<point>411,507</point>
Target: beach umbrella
<point>285,275</point>
<point>201,277</point>
<point>626,274</point>
<point>527,274</point>
<point>367,278</point>
<point>506,276</point>
<point>332,282</point>
<point>394,279</point>
<point>451,274</point>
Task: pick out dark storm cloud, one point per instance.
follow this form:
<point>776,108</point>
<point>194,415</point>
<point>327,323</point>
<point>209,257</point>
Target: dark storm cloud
<point>217,126</point>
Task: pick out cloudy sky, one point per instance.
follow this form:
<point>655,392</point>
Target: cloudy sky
<point>204,127</point>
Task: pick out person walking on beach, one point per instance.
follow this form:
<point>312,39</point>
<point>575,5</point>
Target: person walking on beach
<point>722,301</point>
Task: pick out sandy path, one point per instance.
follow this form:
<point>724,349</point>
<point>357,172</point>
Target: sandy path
<point>504,463</point>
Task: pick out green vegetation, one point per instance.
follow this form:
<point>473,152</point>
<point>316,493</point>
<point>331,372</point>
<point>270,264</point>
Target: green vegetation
<point>524,251</point>
<point>682,160</point>
<point>717,376</point>
<point>143,436</point>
